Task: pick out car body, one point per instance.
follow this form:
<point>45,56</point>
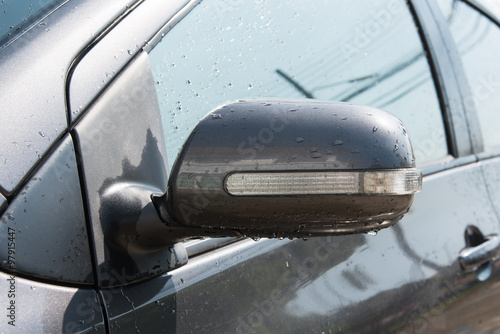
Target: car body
<point>98,97</point>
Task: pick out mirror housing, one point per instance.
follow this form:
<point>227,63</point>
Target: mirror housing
<point>270,168</point>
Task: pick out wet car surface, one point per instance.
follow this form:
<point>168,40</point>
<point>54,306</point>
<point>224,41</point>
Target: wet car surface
<point>141,139</point>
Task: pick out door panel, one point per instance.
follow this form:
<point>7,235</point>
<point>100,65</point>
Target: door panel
<point>405,278</point>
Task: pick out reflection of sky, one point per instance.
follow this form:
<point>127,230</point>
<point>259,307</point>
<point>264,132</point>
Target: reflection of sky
<point>375,267</point>
<point>17,12</point>
<point>492,5</point>
<point>424,244</point>
<point>477,40</point>
<point>356,51</point>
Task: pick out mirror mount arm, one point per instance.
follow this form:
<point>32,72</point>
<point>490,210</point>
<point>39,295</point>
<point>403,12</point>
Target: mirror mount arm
<point>178,232</point>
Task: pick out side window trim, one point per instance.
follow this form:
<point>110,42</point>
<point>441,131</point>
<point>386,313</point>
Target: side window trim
<point>459,114</point>
<point>150,45</point>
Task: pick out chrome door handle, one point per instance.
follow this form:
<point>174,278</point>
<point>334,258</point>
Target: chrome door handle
<point>472,257</point>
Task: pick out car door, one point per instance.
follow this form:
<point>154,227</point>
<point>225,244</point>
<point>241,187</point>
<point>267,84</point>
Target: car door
<point>396,56</point>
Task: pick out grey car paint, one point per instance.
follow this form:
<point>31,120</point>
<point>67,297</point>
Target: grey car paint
<point>35,307</point>
<point>47,245</point>
<point>114,48</point>
<point>406,278</point>
<point>382,283</point>
<point>32,93</point>
<point>124,163</point>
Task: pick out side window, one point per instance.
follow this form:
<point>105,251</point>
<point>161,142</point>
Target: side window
<point>364,52</point>
<point>478,41</point>
<point>17,14</point>
<point>493,6</point>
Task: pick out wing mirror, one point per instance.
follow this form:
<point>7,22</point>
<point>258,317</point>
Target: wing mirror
<point>269,168</point>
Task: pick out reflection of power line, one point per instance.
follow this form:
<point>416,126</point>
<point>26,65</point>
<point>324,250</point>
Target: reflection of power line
<point>295,84</point>
<point>406,248</point>
<point>340,61</point>
<point>333,61</point>
<point>451,16</point>
<point>456,19</point>
<point>407,91</point>
<point>479,39</point>
<point>344,82</point>
<point>382,77</point>
<point>469,34</point>
<point>387,94</point>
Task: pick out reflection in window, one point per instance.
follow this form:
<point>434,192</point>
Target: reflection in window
<point>358,51</point>
<point>478,42</point>
<point>492,6</point>
<point>17,14</point>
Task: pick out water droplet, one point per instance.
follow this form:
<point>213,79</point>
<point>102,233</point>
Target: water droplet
<point>216,116</point>
<point>182,280</point>
<point>281,238</point>
<point>188,82</point>
<point>337,143</point>
<point>250,86</point>
<point>130,52</point>
<point>316,155</point>
<point>313,149</point>
<point>374,232</point>
<point>375,128</point>
<point>293,110</point>
<point>41,133</point>
<point>32,287</point>
<point>396,147</point>
<point>256,238</point>
<point>299,140</point>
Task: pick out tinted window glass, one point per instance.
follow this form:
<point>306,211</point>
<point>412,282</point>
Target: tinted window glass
<point>493,6</point>
<point>365,52</point>
<point>16,14</point>
<point>478,41</point>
